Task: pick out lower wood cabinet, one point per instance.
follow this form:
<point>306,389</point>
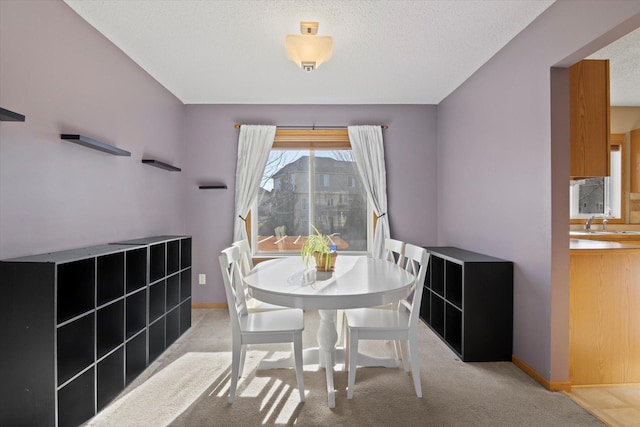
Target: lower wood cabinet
<point>79,325</point>
<point>604,316</point>
<point>467,301</point>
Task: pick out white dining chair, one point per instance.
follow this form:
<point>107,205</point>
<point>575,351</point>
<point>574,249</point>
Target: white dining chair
<point>383,324</point>
<point>246,265</point>
<point>394,251</point>
<point>268,327</point>
<point>246,260</point>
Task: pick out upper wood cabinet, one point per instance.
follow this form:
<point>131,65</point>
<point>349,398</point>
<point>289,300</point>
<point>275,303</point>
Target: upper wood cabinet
<point>635,161</point>
<point>589,118</point>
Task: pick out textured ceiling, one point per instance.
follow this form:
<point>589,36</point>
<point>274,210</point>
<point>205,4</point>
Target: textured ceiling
<point>385,51</point>
<point>624,69</point>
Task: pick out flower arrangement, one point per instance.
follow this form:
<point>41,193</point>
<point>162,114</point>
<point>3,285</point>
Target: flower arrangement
<point>322,248</point>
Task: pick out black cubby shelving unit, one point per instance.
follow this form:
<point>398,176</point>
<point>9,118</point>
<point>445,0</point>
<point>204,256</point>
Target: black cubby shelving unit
<point>66,347</point>
<point>92,143</point>
<point>468,302</point>
<point>82,324</point>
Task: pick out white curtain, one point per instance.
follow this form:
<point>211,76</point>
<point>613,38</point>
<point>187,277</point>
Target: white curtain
<point>254,145</point>
<point>368,149</point>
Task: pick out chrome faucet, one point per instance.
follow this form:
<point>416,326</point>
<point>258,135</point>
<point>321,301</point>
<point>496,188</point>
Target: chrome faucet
<point>587,226</point>
<point>605,220</point>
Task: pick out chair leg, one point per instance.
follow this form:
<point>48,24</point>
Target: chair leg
<point>297,354</point>
<point>347,350</point>
<point>353,359</point>
<point>235,367</point>
<point>340,326</point>
<point>415,367</point>
<point>401,354</point>
<point>243,355</point>
<point>405,356</point>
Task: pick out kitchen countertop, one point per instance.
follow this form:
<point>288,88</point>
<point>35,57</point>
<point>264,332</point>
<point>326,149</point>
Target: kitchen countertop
<point>605,235</point>
<point>582,244</point>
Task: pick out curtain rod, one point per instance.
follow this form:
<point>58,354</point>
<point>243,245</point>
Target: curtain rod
<point>313,127</point>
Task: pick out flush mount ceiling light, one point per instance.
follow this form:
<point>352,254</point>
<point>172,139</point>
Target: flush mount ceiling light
<point>308,50</point>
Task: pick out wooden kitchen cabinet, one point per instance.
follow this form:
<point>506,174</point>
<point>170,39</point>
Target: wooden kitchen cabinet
<point>589,118</point>
<point>635,161</point>
<point>604,313</point>
<point>634,174</point>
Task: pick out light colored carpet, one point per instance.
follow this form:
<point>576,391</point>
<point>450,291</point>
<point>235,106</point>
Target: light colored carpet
<point>161,398</point>
<point>188,386</point>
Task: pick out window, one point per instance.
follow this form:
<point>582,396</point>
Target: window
<point>306,186</point>
<point>590,196</point>
<point>601,196</point>
<point>322,180</point>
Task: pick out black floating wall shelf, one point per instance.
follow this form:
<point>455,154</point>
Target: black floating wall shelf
<point>213,187</point>
<point>96,145</point>
<point>10,116</point>
<point>161,165</point>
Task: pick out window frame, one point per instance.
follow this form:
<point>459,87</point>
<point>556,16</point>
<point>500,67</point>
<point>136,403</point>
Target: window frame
<point>310,139</point>
<point>615,139</point>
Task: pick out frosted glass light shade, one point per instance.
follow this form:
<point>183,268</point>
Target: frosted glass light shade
<point>308,51</point>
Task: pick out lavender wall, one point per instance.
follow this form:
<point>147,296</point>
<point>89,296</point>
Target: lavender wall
<point>67,78</point>
<point>495,177</point>
<point>410,144</point>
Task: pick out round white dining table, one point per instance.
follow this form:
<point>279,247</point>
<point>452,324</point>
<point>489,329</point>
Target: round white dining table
<point>357,281</point>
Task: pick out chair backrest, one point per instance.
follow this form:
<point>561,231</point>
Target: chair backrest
<point>280,230</point>
<point>229,260</point>
<point>280,237</point>
<point>394,251</point>
<point>417,260</point>
<point>246,261</point>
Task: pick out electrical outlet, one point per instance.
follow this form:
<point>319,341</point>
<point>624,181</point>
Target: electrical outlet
<point>202,279</point>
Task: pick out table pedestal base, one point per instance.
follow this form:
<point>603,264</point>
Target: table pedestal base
<point>327,339</point>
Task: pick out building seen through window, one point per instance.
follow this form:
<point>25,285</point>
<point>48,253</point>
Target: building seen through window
<point>599,196</point>
<point>305,188</point>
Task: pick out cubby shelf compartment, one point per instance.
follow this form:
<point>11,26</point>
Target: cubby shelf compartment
<point>161,165</point>
<point>213,187</point>
<point>96,145</point>
<point>136,313</point>
<point>467,301</point>
<point>10,116</point>
<point>110,378</point>
<point>136,356</point>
